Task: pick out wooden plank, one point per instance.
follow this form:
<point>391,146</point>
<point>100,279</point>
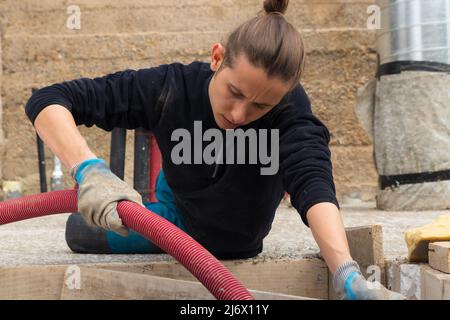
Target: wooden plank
<point>439,256</point>
<point>300,277</point>
<point>262,295</point>
<point>435,285</point>
<point>446,290</point>
<point>303,277</point>
<point>118,285</point>
<point>31,282</point>
<point>366,244</point>
<point>366,248</point>
<point>108,284</point>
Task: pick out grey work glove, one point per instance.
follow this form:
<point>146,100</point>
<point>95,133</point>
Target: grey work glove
<point>351,285</point>
<point>99,191</point>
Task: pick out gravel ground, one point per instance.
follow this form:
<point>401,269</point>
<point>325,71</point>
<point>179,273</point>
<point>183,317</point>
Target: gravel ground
<point>41,240</point>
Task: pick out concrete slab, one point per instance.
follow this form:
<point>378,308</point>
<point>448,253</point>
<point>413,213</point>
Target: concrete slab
<point>290,238</point>
<point>404,278</point>
<point>41,240</point>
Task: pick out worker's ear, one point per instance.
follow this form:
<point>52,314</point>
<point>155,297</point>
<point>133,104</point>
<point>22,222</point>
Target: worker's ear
<point>217,55</point>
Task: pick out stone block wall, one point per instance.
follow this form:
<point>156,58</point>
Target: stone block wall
<point>38,49</point>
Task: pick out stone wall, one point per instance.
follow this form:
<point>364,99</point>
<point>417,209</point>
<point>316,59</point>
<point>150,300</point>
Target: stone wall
<point>38,49</point>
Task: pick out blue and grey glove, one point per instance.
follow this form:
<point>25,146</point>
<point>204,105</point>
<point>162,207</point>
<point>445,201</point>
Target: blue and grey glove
<point>350,284</point>
<point>99,191</point>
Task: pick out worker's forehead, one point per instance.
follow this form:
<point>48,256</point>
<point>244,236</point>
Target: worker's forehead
<point>253,82</point>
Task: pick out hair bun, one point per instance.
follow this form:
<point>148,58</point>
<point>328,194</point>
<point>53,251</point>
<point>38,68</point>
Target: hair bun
<point>276,6</point>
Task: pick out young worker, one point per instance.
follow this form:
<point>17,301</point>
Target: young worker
<point>252,83</point>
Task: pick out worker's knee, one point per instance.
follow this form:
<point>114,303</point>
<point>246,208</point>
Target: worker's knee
<point>82,238</point>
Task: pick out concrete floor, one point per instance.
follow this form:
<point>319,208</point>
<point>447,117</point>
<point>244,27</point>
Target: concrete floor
<point>41,240</point>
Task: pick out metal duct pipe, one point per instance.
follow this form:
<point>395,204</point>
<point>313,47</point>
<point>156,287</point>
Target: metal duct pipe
<point>414,30</point>
<point>41,159</point>
<point>56,180</point>
<point>117,152</point>
<point>142,139</point>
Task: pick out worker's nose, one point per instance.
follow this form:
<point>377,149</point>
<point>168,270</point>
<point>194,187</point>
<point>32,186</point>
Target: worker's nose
<point>238,114</point>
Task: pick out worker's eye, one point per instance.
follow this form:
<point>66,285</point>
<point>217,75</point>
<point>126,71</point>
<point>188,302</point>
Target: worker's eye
<point>234,94</point>
<point>260,106</point>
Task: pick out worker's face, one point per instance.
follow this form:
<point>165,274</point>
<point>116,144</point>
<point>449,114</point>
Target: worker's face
<point>243,94</point>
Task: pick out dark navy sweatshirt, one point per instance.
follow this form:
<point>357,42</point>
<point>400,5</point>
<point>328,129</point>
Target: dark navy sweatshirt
<point>228,208</point>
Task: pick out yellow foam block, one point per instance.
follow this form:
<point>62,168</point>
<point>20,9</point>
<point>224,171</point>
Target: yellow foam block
<point>417,239</point>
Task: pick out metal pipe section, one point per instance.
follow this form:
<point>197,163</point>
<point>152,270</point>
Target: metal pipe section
<point>117,152</point>
<point>56,180</point>
<point>155,164</point>
<point>414,30</point>
<point>141,163</point>
<point>41,159</point>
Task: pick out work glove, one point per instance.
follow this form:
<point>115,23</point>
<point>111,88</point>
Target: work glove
<point>350,284</point>
<point>99,191</point>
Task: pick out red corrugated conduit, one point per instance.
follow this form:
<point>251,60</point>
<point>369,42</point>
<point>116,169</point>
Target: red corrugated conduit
<point>202,264</point>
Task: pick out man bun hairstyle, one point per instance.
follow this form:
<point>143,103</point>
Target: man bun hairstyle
<point>269,41</point>
<point>275,6</point>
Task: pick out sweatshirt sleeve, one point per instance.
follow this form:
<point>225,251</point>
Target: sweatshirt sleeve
<point>305,158</point>
<point>126,99</point>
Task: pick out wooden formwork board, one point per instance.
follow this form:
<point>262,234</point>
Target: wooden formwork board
<point>31,282</point>
<point>104,284</point>
<point>366,248</point>
<point>435,285</point>
<point>299,277</point>
<point>439,256</point>
<point>290,279</point>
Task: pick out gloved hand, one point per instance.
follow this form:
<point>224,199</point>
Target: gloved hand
<point>99,190</point>
<point>351,285</point>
